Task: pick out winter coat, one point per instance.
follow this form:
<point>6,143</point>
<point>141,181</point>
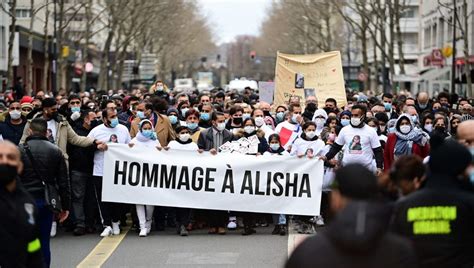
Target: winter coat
<point>163,128</point>
<point>388,154</point>
<point>10,131</point>
<point>206,139</point>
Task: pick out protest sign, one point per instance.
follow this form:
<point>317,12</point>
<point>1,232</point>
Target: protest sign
<point>266,91</point>
<point>226,181</point>
<point>322,72</point>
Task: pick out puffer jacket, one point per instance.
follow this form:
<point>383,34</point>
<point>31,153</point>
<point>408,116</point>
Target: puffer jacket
<point>65,135</point>
<point>50,162</point>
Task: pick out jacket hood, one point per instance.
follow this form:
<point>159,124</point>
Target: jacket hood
<point>320,112</point>
<point>359,226</point>
<point>241,133</point>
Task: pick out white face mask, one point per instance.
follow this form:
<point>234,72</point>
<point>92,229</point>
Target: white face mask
<point>249,129</point>
<point>310,134</point>
<point>220,126</point>
<point>184,137</point>
<point>15,114</point>
<point>429,127</point>
<point>320,122</point>
<point>405,129</point>
<point>355,121</point>
<point>259,121</point>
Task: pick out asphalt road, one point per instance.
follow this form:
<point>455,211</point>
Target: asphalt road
<point>167,249</point>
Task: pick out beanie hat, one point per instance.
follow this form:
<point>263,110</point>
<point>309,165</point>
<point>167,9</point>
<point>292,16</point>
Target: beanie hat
<point>171,110</point>
<point>356,181</point>
<point>26,99</point>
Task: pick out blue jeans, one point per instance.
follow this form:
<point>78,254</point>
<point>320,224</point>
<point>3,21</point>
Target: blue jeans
<point>45,223</point>
<point>279,219</point>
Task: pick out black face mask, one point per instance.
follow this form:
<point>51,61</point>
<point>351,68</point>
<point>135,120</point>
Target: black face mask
<point>311,107</point>
<point>440,129</point>
<point>237,120</point>
<point>7,174</point>
<point>95,123</point>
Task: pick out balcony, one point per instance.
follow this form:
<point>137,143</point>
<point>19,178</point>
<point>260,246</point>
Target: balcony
<point>410,25</point>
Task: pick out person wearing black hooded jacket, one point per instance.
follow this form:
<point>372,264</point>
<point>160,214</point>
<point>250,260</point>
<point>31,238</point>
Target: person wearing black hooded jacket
<point>439,218</point>
<point>357,237</point>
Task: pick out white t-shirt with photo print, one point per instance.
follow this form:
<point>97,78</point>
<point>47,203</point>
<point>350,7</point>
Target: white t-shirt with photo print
<point>358,144</point>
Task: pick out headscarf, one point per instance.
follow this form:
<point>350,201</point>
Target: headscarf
<point>405,142</point>
<point>140,136</point>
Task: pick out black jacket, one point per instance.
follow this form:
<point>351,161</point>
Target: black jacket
<point>439,219</point>
<point>19,230</point>
<point>52,166</point>
<point>356,238</point>
<point>12,132</point>
<point>206,139</point>
<point>81,158</point>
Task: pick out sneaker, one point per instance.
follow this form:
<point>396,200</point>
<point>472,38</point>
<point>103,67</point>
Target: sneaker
<point>148,226</point>
<point>282,230</point>
<point>276,230</point>
<point>116,228</point>
<point>106,232</point>
<point>319,221</point>
<point>54,228</point>
<point>78,231</point>
<point>183,231</point>
<point>143,232</point>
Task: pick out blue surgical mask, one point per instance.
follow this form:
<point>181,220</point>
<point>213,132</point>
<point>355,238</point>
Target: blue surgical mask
<point>114,122</point>
<point>293,118</point>
<point>192,126</point>
<point>414,118</point>
<point>150,134</point>
<point>280,116</point>
<point>345,122</point>
<point>205,116</point>
<point>183,111</point>
<point>75,109</point>
<point>245,116</point>
<point>141,114</point>
<point>275,146</point>
<point>173,119</point>
<point>388,106</point>
<point>422,106</point>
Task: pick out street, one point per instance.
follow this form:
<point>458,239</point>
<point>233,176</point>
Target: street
<point>163,249</point>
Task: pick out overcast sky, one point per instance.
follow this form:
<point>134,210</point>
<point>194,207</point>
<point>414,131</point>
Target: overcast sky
<point>229,18</point>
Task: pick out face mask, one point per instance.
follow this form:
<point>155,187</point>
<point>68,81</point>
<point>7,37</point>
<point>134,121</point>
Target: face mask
<point>355,121</point>
<point>192,125</point>
<point>183,111</point>
<point>237,120</point>
<point>54,116</point>
<point>280,116</point>
<point>311,107</point>
<point>376,129</point>
<point>184,137</point>
<point>220,126</point>
<point>429,127</point>
<point>345,122</point>
<point>249,129</point>
<point>294,118</point>
<point>114,122</point>
<point>388,106</point>
<point>7,174</point>
<point>204,116</point>
<point>149,134</point>
<point>159,88</point>
<point>391,130</point>
<point>25,113</point>
<point>332,137</point>
<point>422,106</point>
<point>320,122</point>
<point>15,114</point>
<point>259,121</point>
<point>440,129</point>
<point>141,114</point>
<point>245,116</point>
<point>75,109</point>
<point>310,134</point>
<point>274,146</point>
<point>405,129</point>
<point>173,119</point>
<point>414,118</point>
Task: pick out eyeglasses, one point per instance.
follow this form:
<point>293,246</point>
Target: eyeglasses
<point>75,102</point>
<point>15,108</point>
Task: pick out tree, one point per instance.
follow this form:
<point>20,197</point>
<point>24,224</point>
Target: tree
<point>11,12</point>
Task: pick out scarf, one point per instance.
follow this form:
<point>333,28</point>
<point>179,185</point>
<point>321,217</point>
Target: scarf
<point>404,143</point>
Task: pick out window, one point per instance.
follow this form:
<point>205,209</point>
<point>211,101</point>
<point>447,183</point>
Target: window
<point>23,13</point>
<point>2,43</point>
<point>427,37</point>
<point>441,36</point>
<point>410,38</point>
<point>409,12</point>
<point>434,35</point>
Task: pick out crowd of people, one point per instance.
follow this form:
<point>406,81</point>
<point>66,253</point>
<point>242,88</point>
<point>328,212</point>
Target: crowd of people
<point>390,160</point>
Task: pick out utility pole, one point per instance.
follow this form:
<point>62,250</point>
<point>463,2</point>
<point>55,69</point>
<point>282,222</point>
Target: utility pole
<point>453,67</point>
<point>55,53</point>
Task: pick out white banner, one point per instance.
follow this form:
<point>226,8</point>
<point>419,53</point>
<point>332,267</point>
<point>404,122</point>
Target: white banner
<point>236,182</point>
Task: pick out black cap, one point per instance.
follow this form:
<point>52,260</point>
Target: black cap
<point>356,181</point>
<point>48,102</point>
<point>450,158</point>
